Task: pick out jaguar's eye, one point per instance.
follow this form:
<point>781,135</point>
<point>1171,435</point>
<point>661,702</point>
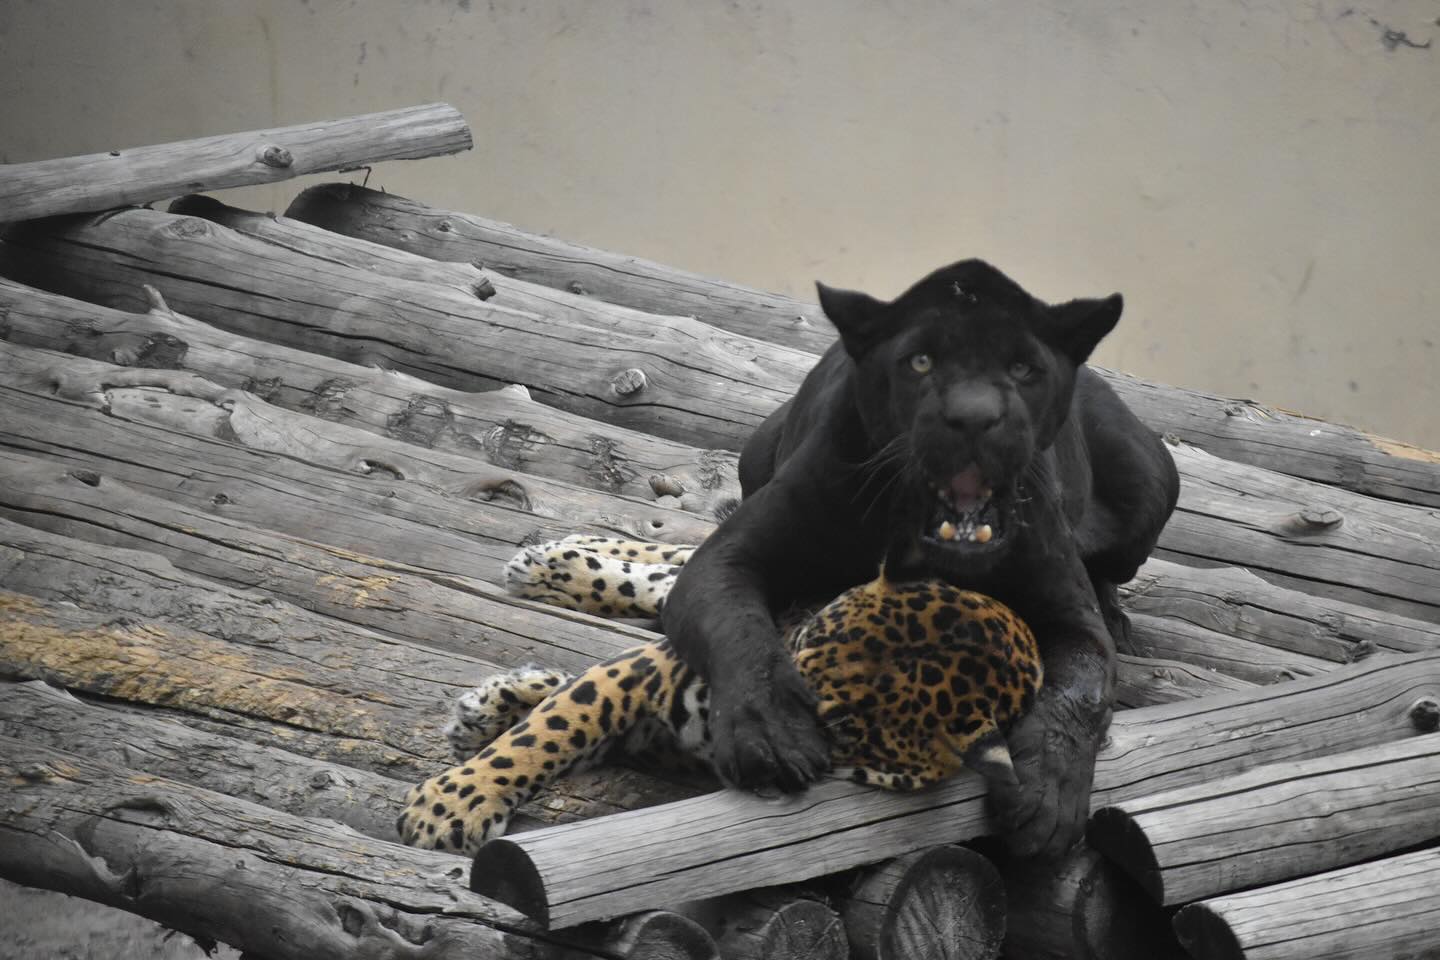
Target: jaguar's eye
<point>1022,371</point>
<point>921,363</point>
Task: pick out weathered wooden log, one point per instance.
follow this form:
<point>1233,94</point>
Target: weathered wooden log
<point>270,883</point>
<point>386,261</point>
<point>661,935</point>
<point>1164,638</point>
<point>1280,821</point>
<point>497,288</point>
<point>1290,443</point>
<point>181,401</point>
<point>101,181</point>
<point>504,427</point>
<point>945,902</point>
<point>776,923</point>
<point>614,278</point>
<point>347,695</point>
<point>1146,681</point>
<point>700,385</point>
<point>1237,603</point>
<point>1382,910</point>
<point>721,842</point>
<point>1193,741</point>
<point>1081,907</point>
<point>471,619</point>
<point>42,715</point>
<point>1299,534</point>
<point>376,513</point>
<point>1238,430</point>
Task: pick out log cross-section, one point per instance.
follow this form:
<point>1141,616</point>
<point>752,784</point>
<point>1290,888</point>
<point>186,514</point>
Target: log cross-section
<point>101,181</point>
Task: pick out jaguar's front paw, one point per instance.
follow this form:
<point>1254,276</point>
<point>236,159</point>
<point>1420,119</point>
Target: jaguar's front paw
<point>766,732</point>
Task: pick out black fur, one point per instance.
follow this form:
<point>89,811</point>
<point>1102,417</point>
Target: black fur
<point>964,387</point>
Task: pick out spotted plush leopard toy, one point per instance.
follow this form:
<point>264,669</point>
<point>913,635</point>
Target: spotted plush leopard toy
<point>914,681</point>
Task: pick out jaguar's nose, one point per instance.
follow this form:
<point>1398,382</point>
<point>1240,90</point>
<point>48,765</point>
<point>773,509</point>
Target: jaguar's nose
<point>973,409</point>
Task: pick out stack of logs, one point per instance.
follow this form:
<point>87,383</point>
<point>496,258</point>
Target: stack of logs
<point>258,476</point>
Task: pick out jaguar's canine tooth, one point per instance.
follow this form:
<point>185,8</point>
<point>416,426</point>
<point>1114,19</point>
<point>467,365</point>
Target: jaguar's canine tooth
<point>947,531</point>
<point>984,533</point>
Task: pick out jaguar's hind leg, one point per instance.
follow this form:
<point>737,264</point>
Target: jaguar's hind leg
<point>482,714</point>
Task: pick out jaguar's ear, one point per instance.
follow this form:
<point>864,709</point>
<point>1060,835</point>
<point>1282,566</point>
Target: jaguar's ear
<point>859,317</point>
<point>1077,327</point>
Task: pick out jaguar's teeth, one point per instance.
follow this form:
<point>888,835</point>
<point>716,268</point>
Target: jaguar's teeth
<point>983,534</point>
<point>947,531</point>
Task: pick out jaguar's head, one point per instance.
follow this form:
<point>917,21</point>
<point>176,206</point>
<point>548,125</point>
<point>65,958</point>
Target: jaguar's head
<point>960,382</point>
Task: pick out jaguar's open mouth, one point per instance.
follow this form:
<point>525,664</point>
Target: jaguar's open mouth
<point>965,514</point>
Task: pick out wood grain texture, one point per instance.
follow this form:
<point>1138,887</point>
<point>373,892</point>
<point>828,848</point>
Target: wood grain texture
<point>614,278</point>
<point>728,841</point>
<point>337,693</point>
<point>183,403</point>
<point>101,181</point>
<point>1382,910</point>
<point>42,715</point>
<point>1237,603</point>
<point>1238,430</point>
<point>703,386</point>
<point>267,882</point>
<point>1294,532</point>
<point>468,618</point>
<point>502,427</point>
<point>944,903</point>
<point>1281,821</point>
<point>774,923</point>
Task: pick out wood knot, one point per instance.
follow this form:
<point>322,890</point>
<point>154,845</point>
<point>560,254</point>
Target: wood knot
<point>277,157</point>
<point>1309,521</point>
<point>443,226</point>
<point>1425,714</point>
<point>188,227</point>
<point>576,287</point>
<point>628,382</point>
<point>665,485</point>
<point>88,477</point>
<point>483,289</point>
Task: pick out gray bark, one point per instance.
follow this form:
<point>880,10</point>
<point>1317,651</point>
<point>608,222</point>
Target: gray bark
<point>676,377</point>
<point>1281,821</point>
<point>101,181</point>
<point>269,883</point>
<point>1383,910</point>
<point>1239,430</point>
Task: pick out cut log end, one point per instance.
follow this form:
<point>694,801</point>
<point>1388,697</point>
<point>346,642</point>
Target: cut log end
<point>661,935</point>
<point>1081,907</point>
<point>946,902</point>
<point>772,924</point>
<point>504,872</point>
<point>1115,833</point>
<point>1205,935</point>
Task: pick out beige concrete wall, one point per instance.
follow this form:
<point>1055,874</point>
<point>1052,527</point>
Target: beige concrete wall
<point>1261,178</point>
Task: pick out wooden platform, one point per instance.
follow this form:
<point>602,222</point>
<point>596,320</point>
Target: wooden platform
<point>258,476</point>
